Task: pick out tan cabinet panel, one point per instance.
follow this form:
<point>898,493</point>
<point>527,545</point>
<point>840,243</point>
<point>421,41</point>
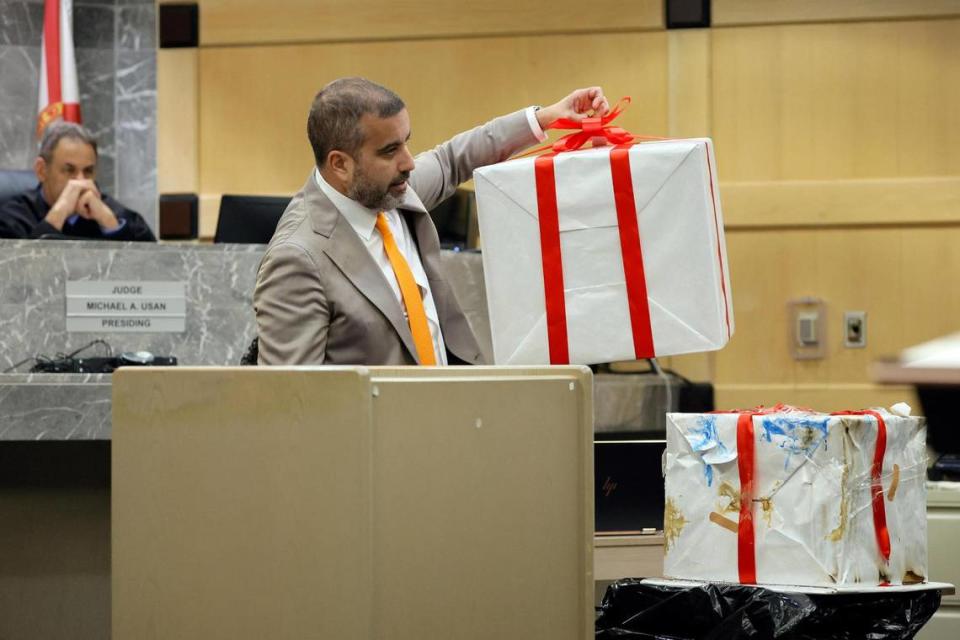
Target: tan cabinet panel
<point>943,532</point>
<point>945,625</point>
<point>252,21</point>
<point>224,521</point>
<point>616,557</point>
<point>467,517</point>
<point>337,502</point>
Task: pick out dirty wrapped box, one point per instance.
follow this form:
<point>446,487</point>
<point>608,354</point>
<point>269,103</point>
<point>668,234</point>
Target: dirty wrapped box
<point>796,497</point>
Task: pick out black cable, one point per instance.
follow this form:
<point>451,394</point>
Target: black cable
<point>90,344</point>
<point>60,360</point>
<point>24,361</point>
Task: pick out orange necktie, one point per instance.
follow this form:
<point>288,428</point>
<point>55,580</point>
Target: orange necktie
<point>416,316</point>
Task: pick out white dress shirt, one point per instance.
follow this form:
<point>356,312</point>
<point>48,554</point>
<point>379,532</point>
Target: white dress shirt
<point>364,220</point>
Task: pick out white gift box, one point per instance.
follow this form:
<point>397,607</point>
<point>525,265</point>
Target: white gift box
<point>815,522</point>
<point>684,265</point>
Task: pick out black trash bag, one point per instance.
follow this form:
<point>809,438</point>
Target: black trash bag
<point>635,609</point>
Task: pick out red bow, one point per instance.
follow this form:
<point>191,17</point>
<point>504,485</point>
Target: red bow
<point>593,127</point>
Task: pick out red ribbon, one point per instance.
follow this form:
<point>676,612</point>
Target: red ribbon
<point>632,252</point>
<point>876,487</point>
<point>746,465</point>
<point>630,245</point>
<point>552,260</point>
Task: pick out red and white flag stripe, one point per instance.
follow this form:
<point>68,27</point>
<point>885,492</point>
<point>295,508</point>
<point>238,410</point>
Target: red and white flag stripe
<point>59,93</point>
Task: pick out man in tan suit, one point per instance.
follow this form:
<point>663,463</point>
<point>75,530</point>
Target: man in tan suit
<point>352,274</point>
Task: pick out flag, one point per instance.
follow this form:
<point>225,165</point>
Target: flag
<point>59,94</point>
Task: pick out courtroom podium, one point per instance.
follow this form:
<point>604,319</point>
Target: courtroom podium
<point>353,503</point>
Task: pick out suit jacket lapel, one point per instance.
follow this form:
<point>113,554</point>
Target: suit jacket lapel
<point>429,245</point>
<point>348,252</point>
<point>457,333</point>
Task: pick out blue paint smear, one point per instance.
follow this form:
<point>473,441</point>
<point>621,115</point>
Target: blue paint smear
<point>704,436</point>
<point>793,435</point>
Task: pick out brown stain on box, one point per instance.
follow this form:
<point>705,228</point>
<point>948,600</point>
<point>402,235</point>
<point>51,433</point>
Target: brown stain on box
<point>837,534</point>
<point>912,578</point>
<point>807,436</point>
<point>724,522</point>
<point>767,505</point>
<point>673,523</point>
<point>894,483</point>
<point>727,490</point>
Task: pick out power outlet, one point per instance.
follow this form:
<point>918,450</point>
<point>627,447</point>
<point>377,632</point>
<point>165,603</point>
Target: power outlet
<point>855,329</point>
<point>808,329</point>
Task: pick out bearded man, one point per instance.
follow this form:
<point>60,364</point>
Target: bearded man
<point>352,274</point>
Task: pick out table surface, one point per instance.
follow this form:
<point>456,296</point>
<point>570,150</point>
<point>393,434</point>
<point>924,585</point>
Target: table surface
<point>944,588</point>
<point>895,372</point>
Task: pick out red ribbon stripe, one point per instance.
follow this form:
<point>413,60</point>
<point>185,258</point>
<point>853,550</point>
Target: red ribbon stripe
<point>876,485</point>
<point>632,252</point>
<point>549,220</point>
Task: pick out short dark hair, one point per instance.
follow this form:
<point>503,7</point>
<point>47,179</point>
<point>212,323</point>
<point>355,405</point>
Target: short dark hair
<point>334,120</point>
<point>57,131</point>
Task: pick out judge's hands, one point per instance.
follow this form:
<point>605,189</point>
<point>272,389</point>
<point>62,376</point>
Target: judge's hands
<point>81,197</point>
<point>576,106</point>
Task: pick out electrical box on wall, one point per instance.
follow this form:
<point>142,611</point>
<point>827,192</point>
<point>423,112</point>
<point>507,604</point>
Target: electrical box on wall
<point>855,329</point>
<point>807,328</point>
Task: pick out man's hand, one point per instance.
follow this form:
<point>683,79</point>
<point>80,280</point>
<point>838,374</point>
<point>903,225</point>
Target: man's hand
<point>576,106</point>
<point>91,207</point>
<point>66,204</point>
<point>83,198</point>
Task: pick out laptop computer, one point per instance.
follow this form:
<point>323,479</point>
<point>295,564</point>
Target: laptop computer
<point>628,487</point>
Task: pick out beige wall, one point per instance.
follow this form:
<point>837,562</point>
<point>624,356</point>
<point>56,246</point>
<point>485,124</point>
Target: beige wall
<point>837,129</point>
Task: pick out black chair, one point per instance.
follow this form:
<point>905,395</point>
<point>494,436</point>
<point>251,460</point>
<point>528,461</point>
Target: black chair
<point>15,181</point>
<point>252,354</point>
<point>454,218</point>
<point>249,219</point>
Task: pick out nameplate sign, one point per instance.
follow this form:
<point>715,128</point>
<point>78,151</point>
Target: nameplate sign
<point>126,307</point>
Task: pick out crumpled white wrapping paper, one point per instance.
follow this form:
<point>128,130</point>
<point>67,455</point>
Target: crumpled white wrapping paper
<point>813,519</point>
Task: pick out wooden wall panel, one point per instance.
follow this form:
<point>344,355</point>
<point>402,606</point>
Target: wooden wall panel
<point>257,22</point>
<point>253,126</point>
<point>886,201</point>
<point>837,101</point>
<point>739,12</point>
<point>688,88</point>
<point>902,277</point>
<point>177,116</point>
<point>931,275</point>
<point>825,397</point>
